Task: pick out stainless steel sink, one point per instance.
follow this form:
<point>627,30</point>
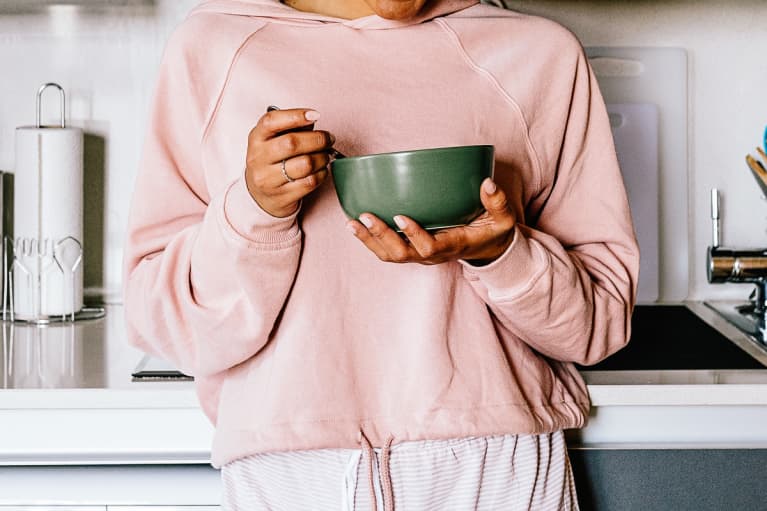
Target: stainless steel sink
<point>684,336</point>
<point>739,322</point>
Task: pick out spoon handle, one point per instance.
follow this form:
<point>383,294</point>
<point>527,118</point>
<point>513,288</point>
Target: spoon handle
<point>310,127</point>
<point>335,154</point>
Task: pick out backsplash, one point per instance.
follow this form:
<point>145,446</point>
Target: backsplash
<point>106,59</point>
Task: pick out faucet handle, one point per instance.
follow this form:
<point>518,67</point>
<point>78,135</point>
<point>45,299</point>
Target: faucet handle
<point>716,227</point>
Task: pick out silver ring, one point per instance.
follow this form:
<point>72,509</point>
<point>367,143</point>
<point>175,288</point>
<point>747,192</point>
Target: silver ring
<point>285,173</point>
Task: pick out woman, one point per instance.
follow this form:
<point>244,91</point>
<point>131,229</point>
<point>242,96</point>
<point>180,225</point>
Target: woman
<point>349,369</point>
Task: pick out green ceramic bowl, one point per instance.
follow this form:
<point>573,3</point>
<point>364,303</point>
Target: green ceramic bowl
<point>437,188</point>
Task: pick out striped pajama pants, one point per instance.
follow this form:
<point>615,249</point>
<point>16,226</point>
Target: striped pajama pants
<point>509,473</point>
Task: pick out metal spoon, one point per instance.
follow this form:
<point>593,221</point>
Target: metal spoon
<point>335,154</point>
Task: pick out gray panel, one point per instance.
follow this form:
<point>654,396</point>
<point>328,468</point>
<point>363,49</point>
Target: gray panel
<point>670,480</point>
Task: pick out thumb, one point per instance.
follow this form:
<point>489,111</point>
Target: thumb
<point>494,199</point>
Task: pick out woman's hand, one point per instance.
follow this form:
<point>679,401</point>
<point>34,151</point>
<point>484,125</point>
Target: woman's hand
<point>480,242</point>
<point>283,166</point>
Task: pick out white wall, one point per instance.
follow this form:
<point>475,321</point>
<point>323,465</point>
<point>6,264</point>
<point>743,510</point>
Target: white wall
<point>106,59</point>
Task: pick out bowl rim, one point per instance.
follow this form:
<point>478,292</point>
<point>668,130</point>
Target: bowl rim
<point>415,151</point>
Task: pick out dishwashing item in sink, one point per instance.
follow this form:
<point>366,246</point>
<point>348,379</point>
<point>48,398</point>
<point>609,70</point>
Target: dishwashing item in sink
<point>759,172</point>
<point>763,156</point>
<point>438,188</point>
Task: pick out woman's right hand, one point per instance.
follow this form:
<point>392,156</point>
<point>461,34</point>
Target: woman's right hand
<point>283,166</point>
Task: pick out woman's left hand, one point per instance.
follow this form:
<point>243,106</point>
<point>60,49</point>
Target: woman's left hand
<point>480,242</point>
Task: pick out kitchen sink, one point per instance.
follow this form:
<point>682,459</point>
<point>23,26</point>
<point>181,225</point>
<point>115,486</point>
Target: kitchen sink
<point>681,337</point>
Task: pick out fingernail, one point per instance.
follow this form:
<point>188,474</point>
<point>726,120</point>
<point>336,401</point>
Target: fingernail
<point>489,186</point>
<point>367,222</point>
<point>400,221</point>
<point>351,228</point>
<point>312,115</point>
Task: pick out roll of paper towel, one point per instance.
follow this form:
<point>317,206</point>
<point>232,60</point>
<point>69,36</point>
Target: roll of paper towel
<point>48,222</point>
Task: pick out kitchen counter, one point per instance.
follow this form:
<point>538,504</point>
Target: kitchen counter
<point>68,398</point>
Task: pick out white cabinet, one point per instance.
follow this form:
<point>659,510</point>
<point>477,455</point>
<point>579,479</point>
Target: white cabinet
<point>161,508</point>
<point>110,508</point>
<point>53,508</point>
<point>103,488</point>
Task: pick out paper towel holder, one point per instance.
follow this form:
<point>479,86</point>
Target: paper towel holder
<point>62,103</point>
<point>37,256</point>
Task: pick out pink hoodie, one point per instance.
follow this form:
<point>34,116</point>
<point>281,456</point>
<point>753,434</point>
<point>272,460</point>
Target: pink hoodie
<point>297,335</point>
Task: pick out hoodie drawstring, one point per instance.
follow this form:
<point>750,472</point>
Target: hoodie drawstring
<point>386,486</point>
<point>386,475</point>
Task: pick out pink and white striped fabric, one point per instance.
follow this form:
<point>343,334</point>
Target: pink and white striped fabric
<point>510,472</point>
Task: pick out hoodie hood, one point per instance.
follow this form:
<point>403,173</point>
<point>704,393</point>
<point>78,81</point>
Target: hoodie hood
<point>279,12</point>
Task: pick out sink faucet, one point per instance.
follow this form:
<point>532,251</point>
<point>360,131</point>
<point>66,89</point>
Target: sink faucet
<point>737,265</point>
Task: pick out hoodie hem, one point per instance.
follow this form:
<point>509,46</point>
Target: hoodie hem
<point>440,424</point>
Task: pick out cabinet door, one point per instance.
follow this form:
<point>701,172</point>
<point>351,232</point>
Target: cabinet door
<point>670,479</point>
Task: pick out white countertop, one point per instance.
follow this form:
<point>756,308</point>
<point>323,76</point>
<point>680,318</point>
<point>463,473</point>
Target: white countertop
<point>67,397</point>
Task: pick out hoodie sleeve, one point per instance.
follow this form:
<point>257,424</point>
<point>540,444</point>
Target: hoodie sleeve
<point>567,284</point>
<point>205,274</point>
